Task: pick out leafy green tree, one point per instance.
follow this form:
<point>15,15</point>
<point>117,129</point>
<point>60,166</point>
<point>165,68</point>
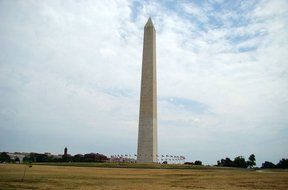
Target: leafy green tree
<point>251,161</point>
<point>283,163</point>
<point>17,159</point>
<point>4,157</point>
<point>27,159</point>
<point>92,157</point>
<point>267,164</point>
<point>198,162</point>
<point>227,162</point>
<point>239,162</point>
<point>39,157</point>
<point>78,158</point>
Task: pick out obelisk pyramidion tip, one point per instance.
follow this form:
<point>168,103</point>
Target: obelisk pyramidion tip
<point>149,23</point>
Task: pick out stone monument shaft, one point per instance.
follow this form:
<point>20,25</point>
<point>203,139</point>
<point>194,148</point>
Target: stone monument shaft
<point>147,134</point>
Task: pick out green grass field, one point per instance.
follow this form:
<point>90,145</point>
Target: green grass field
<point>95,176</point>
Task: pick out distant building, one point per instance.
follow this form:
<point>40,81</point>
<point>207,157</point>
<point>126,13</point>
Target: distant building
<point>122,159</point>
<point>19,155</point>
<point>48,153</point>
<point>65,152</point>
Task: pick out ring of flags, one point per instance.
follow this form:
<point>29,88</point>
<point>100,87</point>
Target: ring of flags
<point>160,158</point>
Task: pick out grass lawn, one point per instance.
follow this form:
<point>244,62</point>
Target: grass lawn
<point>71,177</point>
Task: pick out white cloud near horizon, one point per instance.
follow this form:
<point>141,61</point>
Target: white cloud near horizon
<point>70,76</point>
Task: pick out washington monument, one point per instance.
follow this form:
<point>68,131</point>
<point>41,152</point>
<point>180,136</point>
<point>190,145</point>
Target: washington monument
<point>147,135</point>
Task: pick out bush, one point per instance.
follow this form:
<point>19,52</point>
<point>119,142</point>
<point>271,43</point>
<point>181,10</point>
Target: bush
<point>198,162</point>
<point>267,164</point>
<point>283,163</point>
<point>92,157</point>
<point>189,163</point>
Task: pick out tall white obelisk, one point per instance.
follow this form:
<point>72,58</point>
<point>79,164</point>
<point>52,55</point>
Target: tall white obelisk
<point>147,135</point>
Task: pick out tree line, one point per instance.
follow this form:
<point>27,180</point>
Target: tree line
<point>197,163</point>
<point>36,157</point>
<point>283,164</point>
<point>238,161</point>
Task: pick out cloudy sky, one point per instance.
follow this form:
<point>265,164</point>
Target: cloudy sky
<point>70,76</point>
